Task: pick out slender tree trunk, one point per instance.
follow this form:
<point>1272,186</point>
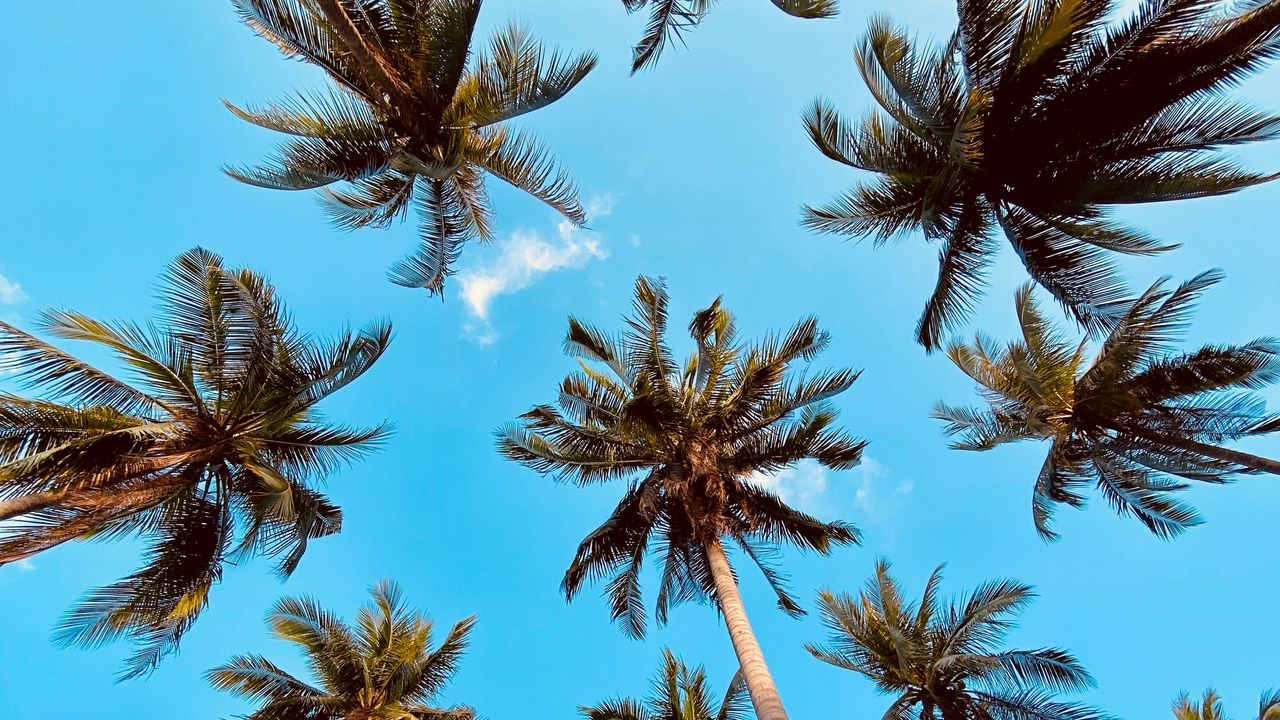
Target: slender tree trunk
<point>764,694</point>
<point>378,73</point>
<point>24,504</point>
<point>1244,459</point>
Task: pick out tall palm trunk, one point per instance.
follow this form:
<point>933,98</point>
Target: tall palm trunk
<point>764,693</point>
<point>1243,459</point>
<point>373,66</point>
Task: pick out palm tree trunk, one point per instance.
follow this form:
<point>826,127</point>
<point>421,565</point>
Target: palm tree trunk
<point>374,68</point>
<point>24,504</point>
<point>1243,459</point>
<point>764,694</point>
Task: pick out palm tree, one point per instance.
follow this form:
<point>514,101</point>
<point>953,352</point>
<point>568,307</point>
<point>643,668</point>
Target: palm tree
<point>1184,708</point>
<point>1136,415</point>
<point>413,119</point>
<point>669,19</point>
<point>382,667</point>
<point>210,453</point>
<point>677,693</point>
<point>1003,127</point>
<point>943,660</point>
<point>689,438</point>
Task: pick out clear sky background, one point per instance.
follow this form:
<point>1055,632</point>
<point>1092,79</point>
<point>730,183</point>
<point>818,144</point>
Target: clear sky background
<point>113,138</point>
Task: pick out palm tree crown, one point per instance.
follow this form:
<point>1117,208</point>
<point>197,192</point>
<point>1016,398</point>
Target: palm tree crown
<point>210,455</point>
<point>695,433</point>
<point>669,19</point>
<point>414,119</point>
<point>1136,415</point>
<point>677,693</point>
<point>942,660</point>
<point>1184,708</point>
<point>383,667</point>
<point>1034,118</point>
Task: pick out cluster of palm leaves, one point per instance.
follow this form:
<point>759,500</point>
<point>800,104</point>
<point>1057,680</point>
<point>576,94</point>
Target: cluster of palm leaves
<point>1034,119</point>
<point>677,692</point>
<point>382,667</point>
<point>943,660</point>
<point>1210,708</point>
<point>690,438</point>
<point>413,119</point>
<point>210,448</point>
<point>1132,419</point>
<point>209,454</point>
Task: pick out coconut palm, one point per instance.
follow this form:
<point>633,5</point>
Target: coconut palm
<point>1129,421</point>
<point>677,693</point>
<point>382,667</point>
<point>669,19</point>
<point>209,451</point>
<point>689,439</point>
<point>943,660</point>
<point>1184,708</point>
<point>413,119</point>
<point>1004,127</point>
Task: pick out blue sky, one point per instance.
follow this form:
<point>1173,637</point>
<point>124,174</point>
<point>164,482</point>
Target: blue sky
<point>115,136</point>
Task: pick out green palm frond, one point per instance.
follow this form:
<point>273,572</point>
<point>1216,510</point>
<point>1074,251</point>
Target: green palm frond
<point>523,162</point>
<point>515,75</point>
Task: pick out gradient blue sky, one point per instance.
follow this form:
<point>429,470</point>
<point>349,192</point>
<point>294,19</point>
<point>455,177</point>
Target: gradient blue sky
<point>114,138</point>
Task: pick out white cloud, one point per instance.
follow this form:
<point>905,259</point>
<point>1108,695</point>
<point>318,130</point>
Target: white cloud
<point>524,257</point>
<point>878,494</point>
<point>802,485</point>
<point>10,292</point>
<point>24,565</point>
<point>601,205</point>
<point>814,489</point>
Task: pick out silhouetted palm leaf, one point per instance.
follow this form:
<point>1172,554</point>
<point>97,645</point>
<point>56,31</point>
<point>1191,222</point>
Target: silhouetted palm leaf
<point>669,19</point>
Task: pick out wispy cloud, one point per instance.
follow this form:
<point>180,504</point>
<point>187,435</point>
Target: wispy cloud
<point>879,494</point>
<point>24,565</point>
<point>10,292</point>
<point>869,487</point>
<point>524,257</point>
<point>803,485</point>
